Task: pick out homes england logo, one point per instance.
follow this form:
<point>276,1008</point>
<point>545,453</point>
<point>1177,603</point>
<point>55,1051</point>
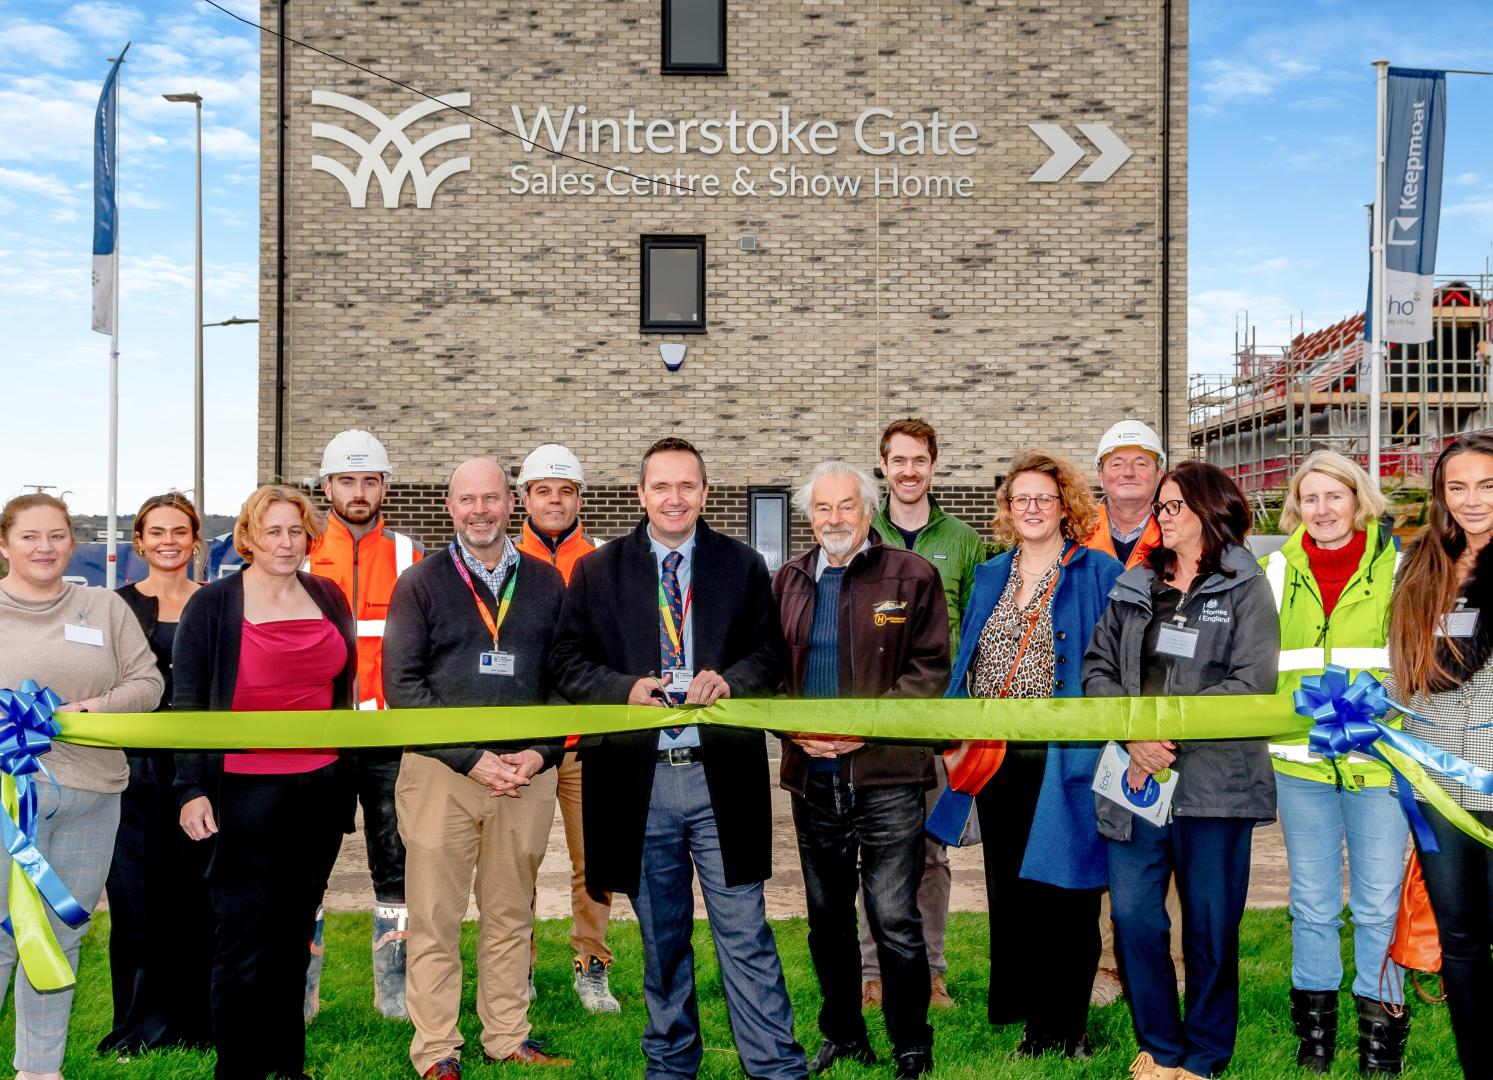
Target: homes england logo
<point>389,132</point>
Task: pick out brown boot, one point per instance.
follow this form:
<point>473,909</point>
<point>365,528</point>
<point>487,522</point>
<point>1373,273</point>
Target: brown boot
<point>938,997</point>
<point>871,994</point>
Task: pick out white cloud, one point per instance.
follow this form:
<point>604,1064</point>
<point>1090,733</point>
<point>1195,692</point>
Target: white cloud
<point>33,42</point>
<point>51,187</point>
<point>229,142</point>
<point>135,200</point>
<point>103,19</point>
<point>1467,179</point>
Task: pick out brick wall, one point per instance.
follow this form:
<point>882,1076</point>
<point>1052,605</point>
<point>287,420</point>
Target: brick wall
<point>612,510</point>
<point>1028,314</point>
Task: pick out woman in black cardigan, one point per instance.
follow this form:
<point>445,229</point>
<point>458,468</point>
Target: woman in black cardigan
<point>268,639</point>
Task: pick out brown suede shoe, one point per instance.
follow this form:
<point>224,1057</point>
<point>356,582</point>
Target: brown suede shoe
<point>871,994</point>
<point>528,1053</point>
<point>939,997</point>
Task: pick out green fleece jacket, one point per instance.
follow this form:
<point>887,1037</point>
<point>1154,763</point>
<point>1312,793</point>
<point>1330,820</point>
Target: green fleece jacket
<point>951,546</point>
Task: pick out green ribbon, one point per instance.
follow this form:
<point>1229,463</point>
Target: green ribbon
<point>936,720</point>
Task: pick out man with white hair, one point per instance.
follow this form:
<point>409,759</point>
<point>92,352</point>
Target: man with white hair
<point>862,620</point>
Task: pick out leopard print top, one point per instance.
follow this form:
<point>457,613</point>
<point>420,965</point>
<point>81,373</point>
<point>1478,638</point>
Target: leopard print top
<point>1001,639</point>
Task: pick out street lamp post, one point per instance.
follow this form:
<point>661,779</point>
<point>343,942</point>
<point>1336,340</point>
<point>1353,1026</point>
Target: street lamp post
<point>196,100</point>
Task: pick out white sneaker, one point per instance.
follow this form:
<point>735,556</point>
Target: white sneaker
<point>592,985</point>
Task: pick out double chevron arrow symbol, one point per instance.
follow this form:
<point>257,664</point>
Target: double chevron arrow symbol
<point>1066,153</point>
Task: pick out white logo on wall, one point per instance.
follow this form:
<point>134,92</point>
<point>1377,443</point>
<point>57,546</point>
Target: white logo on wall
<point>390,133</point>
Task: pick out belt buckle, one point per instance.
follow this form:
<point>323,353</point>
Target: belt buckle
<point>680,755</point>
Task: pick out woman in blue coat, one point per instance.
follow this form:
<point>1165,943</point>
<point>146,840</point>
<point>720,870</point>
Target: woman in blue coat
<point>1025,630</point>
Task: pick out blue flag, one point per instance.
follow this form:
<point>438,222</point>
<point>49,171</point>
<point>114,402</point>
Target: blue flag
<point>1414,145</point>
<point>105,209</point>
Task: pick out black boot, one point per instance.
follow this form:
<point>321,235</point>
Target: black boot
<point>1314,1014</point>
<point>831,1052</point>
<point>912,1061</point>
<point>1381,1038</point>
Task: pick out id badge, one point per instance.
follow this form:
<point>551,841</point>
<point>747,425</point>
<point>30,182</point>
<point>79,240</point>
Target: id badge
<point>1178,641</point>
<point>1461,623</point>
<point>679,682</point>
<point>83,635</point>
<point>495,663</point>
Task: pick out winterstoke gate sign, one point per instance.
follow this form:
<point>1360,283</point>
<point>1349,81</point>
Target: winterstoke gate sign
<point>876,131</point>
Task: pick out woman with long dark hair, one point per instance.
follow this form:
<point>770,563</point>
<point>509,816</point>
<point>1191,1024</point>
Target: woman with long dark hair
<point>1441,653</point>
<point>1195,618</point>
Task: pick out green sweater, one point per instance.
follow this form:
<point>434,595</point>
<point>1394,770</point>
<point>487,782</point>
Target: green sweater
<point>951,546</point>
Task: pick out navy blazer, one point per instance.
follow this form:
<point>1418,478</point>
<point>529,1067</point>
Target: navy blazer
<point>608,639</point>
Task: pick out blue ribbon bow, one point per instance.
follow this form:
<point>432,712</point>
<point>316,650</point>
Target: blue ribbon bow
<point>1347,718</point>
<point>26,732</point>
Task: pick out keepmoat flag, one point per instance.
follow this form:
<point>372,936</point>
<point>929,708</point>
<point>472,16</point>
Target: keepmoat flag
<point>105,209</point>
<point>1414,142</point>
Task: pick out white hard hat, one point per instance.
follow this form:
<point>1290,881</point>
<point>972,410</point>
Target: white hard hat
<point>353,451</point>
<point>1130,433</point>
<point>551,461</point>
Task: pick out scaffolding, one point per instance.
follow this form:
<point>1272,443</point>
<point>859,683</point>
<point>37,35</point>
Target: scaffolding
<point>1281,403</point>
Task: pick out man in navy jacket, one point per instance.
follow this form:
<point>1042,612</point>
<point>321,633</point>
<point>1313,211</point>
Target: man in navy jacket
<point>676,613</point>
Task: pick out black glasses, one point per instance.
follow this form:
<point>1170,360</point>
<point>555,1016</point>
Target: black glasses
<point>1022,503</point>
<point>1171,507</point>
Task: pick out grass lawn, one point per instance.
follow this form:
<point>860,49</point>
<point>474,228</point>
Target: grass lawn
<point>349,1041</point>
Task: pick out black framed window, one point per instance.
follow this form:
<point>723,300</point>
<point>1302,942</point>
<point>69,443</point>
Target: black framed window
<point>673,280</point>
<point>767,524</point>
<point>694,37</point>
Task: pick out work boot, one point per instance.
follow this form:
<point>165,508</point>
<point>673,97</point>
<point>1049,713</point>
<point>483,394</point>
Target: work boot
<point>313,967</point>
<point>938,992</point>
<point>1314,1015</point>
<point>1144,1067</point>
<point>592,985</point>
<point>1381,1038</point>
<point>391,935</point>
<point>871,994</point>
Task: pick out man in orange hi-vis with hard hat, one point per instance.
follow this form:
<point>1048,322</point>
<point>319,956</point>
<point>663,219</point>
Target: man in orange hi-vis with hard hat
<point>365,557</point>
<point>552,485</point>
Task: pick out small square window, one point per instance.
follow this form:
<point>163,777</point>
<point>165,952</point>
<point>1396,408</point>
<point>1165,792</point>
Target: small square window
<point>694,37</point>
<point>673,278</point>
<point>767,524</point>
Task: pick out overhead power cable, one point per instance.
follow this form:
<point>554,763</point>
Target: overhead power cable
<point>659,180</point>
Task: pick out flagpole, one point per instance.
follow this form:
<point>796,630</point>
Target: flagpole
<point>1376,346</point>
<point>111,567</point>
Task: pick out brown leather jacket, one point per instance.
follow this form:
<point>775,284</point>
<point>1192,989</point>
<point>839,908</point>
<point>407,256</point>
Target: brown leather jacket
<point>893,639</point>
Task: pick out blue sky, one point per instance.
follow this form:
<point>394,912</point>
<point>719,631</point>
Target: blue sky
<point>1281,163</point>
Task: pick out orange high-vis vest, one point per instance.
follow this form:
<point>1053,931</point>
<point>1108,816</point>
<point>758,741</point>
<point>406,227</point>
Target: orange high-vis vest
<point>1100,539</point>
<point>562,558</point>
<point>365,570</point>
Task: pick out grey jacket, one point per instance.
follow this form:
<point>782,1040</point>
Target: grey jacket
<point>1237,653</point>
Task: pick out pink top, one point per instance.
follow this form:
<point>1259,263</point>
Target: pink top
<point>286,666</point>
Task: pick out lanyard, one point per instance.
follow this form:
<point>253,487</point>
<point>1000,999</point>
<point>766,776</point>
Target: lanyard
<point>507,599</point>
<point>675,633</point>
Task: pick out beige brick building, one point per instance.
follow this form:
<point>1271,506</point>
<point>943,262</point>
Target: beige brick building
<point>1009,312</point>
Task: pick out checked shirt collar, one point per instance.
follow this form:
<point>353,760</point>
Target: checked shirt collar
<point>494,578</point>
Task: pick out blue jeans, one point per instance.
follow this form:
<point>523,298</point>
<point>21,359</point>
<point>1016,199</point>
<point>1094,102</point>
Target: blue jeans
<point>1316,819</point>
<point>883,827</point>
<point>681,839</point>
<point>1210,857</point>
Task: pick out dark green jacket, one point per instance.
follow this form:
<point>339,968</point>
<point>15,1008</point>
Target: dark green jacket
<point>950,545</point>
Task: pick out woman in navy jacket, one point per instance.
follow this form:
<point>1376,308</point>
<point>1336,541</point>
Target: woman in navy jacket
<point>1025,630</point>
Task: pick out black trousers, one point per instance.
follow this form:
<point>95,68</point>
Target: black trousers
<point>277,840</point>
<point>1459,880</point>
<point>883,828</point>
<point>160,919</point>
<point>375,772</point>
<point>1044,940</point>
